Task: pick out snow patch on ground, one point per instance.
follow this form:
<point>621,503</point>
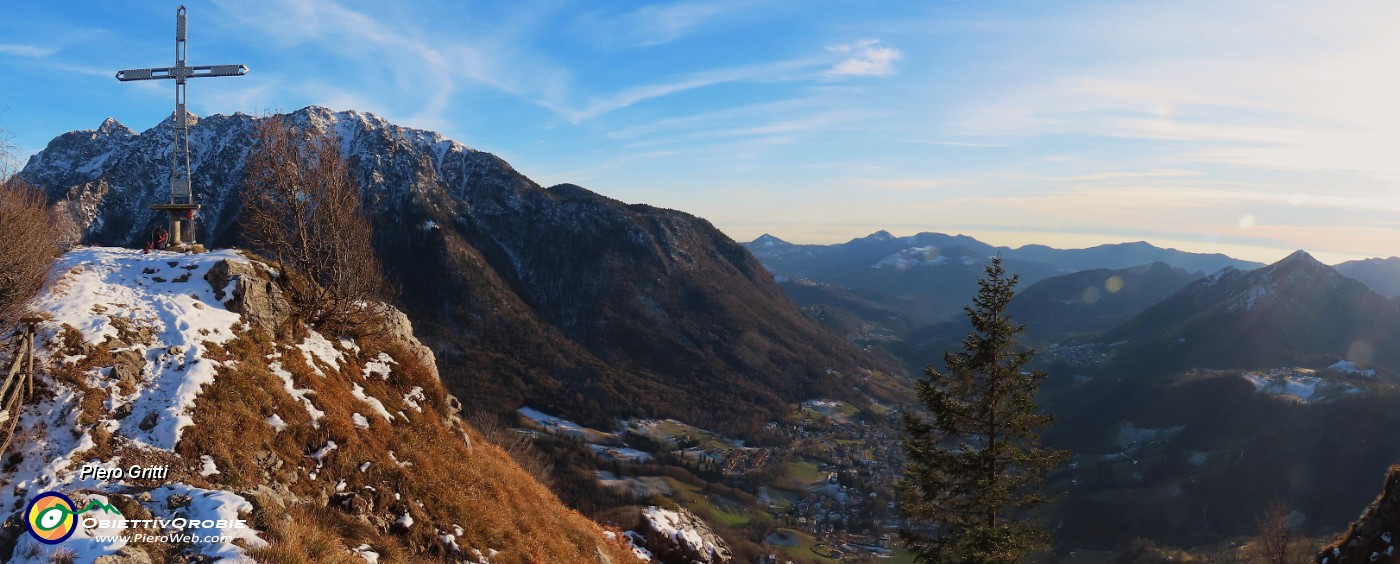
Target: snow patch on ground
<point>299,393</point>
<point>97,290</point>
<point>562,427</point>
<point>322,452</point>
<point>620,454</point>
<point>162,305</point>
<point>1305,385</point>
<point>276,422</point>
<point>367,553</point>
<point>672,525</point>
<point>207,508</point>
<point>413,397</point>
<point>380,366</point>
<point>317,347</point>
<point>372,401</point>
<point>1349,367</point>
<point>912,257</point>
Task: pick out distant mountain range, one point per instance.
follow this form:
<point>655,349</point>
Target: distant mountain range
<point>908,292</point>
<point>1297,311</point>
<point>1093,301</point>
<point>1381,275</point>
<point>882,250</point>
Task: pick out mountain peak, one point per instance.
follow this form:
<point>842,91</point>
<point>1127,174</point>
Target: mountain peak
<point>1298,255</point>
<point>1298,259</point>
<point>111,126</point>
<point>768,240</point>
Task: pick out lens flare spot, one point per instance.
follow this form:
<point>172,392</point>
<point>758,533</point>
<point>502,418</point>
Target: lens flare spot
<point>1090,295</point>
<point>1113,284</point>
<point>1247,221</point>
<point>1361,352</point>
<point>1297,199</point>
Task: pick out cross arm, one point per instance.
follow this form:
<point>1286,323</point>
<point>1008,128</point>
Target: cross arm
<point>182,72</point>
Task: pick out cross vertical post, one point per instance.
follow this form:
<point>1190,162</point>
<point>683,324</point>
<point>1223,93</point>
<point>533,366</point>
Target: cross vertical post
<point>182,205</point>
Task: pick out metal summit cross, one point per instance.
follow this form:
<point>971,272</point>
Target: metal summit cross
<point>182,205</point>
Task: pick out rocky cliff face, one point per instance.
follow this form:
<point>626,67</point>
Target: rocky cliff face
<point>557,297</point>
<point>166,405</point>
<point>1373,537</point>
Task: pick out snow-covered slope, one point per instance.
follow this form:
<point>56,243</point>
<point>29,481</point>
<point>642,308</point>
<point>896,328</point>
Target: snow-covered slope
<point>144,364</point>
<point>158,308</point>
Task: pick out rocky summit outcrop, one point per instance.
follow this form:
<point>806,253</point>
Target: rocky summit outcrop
<point>250,289</point>
<point>677,536</point>
<point>1374,535</point>
<point>557,297</point>
<point>165,407</point>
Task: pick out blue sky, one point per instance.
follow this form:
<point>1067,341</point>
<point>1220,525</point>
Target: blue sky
<point>1251,128</point>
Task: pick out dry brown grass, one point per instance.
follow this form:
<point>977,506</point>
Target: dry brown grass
<point>446,483</point>
<point>303,535</point>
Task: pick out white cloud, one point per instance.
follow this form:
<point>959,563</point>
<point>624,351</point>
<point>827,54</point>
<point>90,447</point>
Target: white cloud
<point>765,72</point>
<point>26,50</point>
<point>1301,89</point>
<point>868,57</point>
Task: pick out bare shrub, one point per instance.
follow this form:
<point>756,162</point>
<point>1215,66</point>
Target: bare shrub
<point>519,446</point>
<point>301,207</point>
<point>27,246</point>
<point>1278,541</point>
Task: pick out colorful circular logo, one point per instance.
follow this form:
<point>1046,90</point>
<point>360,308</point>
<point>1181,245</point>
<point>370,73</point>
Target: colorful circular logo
<point>49,517</point>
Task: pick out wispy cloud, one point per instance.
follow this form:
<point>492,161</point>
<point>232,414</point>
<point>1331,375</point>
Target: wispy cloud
<point>764,72</point>
<point>1298,89</point>
<point>658,24</point>
<point>868,57</point>
<point>26,50</point>
<point>957,143</point>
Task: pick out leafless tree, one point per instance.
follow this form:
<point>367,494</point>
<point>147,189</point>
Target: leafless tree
<point>27,247</point>
<point>1278,541</point>
<point>301,207</point>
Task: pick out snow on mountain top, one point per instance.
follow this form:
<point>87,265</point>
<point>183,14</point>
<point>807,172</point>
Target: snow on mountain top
<point>1298,257</point>
<point>109,294</point>
<point>767,240</point>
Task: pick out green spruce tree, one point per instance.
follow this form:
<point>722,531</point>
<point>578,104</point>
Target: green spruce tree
<point>975,466</point>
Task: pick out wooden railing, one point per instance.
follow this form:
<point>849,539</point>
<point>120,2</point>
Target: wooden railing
<point>19,383</point>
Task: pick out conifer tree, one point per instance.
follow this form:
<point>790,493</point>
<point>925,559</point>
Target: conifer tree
<point>975,466</point>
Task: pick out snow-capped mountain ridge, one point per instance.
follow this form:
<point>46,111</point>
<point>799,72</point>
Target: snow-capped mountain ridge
<point>123,172</point>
